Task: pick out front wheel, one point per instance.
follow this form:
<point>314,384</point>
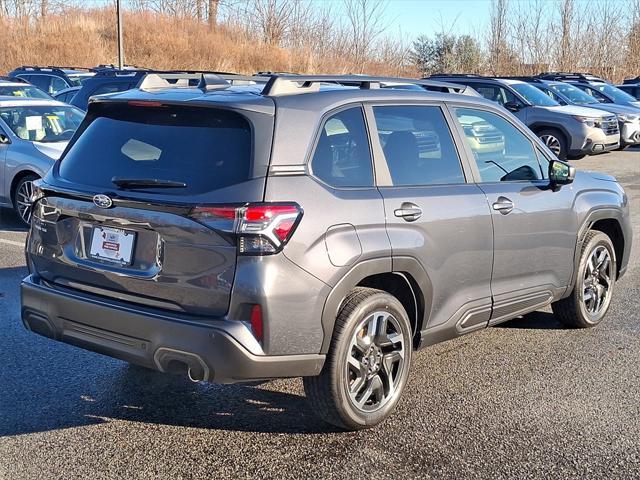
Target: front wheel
<point>555,141</point>
<point>595,279</point>
<point>368,362</point>
<point>22,198</point>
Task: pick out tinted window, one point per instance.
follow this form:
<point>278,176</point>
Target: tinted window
<point>417,145</point>
<point>342,157</point>
<point>495,93</point>
<point>207,149</point>
<point>501,151</point>
<point>57,84</point>
<point>41,81</point>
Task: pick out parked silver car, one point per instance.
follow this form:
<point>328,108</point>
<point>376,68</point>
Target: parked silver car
<point>33,134</point>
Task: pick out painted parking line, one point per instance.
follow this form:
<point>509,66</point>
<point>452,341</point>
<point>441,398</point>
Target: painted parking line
<point>12,243</point>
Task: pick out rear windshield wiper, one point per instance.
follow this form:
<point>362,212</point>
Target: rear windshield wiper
<point>146,183</point>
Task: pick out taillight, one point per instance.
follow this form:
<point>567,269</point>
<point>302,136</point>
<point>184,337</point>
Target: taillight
<point>262,228</point>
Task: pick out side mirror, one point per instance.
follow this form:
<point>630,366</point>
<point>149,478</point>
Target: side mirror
<point>561,173</point>
<point>4,140</point>
<point>513,106</point>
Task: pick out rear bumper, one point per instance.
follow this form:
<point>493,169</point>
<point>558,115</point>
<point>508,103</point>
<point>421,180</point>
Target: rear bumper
<point>211,351</point>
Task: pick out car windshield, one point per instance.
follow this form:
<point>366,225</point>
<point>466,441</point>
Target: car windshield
<point>42,123</point>
<point>615,93</point>
<point>534,96</point>
<point>575,95</point>
<point>24,91</point>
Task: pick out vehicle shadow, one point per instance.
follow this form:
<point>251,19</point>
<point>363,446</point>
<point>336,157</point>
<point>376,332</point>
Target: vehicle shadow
<point>535,321</point>
<point>9,221</point>
<point>135,394</point>
<point>47,385</point>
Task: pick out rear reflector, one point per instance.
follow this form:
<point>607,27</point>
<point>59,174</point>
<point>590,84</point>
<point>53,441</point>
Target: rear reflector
<point>262,229</point>
<point>256,322</point>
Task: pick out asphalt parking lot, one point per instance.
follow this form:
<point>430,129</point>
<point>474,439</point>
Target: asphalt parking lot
<point>526,399</point>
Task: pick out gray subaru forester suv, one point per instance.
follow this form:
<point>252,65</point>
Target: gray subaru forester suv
<point>311,226</point>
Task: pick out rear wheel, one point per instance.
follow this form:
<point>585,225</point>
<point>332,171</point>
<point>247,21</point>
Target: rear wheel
<point>595,279</point>
<point>555,141</point>
<point>368,362</point>
<point>22,198</point>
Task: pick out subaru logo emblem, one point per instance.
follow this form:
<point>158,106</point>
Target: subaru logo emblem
<point>102,201</point>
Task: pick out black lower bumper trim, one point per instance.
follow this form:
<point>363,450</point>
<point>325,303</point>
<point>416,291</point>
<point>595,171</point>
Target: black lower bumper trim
<point>206,350</point>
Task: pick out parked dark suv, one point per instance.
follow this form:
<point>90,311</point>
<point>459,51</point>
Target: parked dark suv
<point>52,79</point>
<point>303,228</point>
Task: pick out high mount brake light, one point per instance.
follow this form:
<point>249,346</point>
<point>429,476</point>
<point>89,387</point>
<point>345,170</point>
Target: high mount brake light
<point>262,229</point>
<point>145,103</point>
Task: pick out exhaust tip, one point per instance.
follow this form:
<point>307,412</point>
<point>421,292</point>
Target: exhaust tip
<point>178,362</point>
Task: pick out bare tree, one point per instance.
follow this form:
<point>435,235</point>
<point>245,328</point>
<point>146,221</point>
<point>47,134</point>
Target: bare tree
<point>499,51</point>
<point>366,22</point>
<point>213,13</point>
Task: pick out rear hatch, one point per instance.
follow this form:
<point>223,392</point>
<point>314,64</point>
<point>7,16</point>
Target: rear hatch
<point>117,217</point>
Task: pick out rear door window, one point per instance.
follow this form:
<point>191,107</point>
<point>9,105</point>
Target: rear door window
<point>204,148</point>
<point>495,93</point>
<point>342,157</point>
<point>417,145</point>
<point>57,84</point>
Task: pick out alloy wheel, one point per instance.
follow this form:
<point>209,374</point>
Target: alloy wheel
<point>24,195</point>
<point>596,284</point>
<point>375,363</point>
<point>552,144</point>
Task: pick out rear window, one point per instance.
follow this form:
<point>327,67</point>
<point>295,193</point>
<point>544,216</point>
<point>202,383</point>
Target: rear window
<point>204,148</point>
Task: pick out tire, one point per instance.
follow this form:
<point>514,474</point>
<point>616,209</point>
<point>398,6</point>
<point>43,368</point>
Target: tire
<point>555,141</point>
<point>23,188</point>
<point>374,367</point>
<point>623,147</point>
<point>575,157</point>
<point>580,309</point>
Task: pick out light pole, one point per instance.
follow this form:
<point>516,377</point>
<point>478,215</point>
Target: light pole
<point>120,42</point>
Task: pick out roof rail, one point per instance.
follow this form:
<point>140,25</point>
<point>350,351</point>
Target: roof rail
<point>205,81</point>
<point>461,75</point>
<point>523,78</point>
<point>278,85</point>
<point>111,66</point>
<point>570,76</point>
<point>50,67</point>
